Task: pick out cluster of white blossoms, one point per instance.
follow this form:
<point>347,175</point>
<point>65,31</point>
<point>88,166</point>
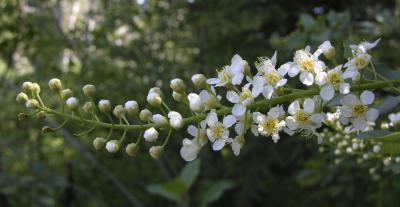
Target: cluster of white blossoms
<point>262,102</point>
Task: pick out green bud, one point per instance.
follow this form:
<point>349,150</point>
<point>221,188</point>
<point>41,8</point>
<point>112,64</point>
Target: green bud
<point>132,149</point>
<point>27,87</point>
<point>145,115</point>
<point>99,143</point>
<point>32,104</point>
<point>22,98</point>
<point>89,90</point>
<point>178,85</point>
<point>66,93</point>
<point>156,151</point>
<point>87,107</point>
<point>119,111</point>
<point>55,85</point>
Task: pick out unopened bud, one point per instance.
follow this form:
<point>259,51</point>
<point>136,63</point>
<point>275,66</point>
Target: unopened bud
<point>195,103</point>
<point>199,80</point>
<point>151,134</point>
<point>132,149</point>
<point>132,108</point>
<point>47,129</point>
<point>159,119</point>
<point>22,116</point>
<point>156,151</point>
<point>376,148</point>
<point>178,85</point>
<point>175,120</point>
<point>154,99</point>
<point>145,115</point>
<point>32,104</point>
<point>156,90</point>
<point>178,96</point>
<point>41,115</point>
<point>72,103</point>
<point>88,107</point>
<point>119,111</point>
<point>55,85</point>
<point>35,88</point>
<point>247,70</point>
<point>99,143</point>
<point>66,93</point>
<point>105,106</point>
<point>22,98</point>
<point>112,146</point>
<point>89,90</point>
<point>27,87</point>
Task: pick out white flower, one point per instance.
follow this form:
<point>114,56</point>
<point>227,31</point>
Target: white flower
<point>195,103</point>
<point>268,78</point>
<point>112,146</point>
<point>237,144</point>
<point>240,100</point>
<point>332,81</point>
<point>357,112</point>
<point>175,120</point>
<point>271,124</point>
<point>218,132</point>
<point>159,119</point>
<point>151,134</point>
<point>232,74</point>
<point>327,49</point>
<point>199,133</point>
<point>304,119</point>
<point>307,65</point>
<point>209,101</point>
<point>190,149</point>
<point>365,45</point>
<point>394,120</point>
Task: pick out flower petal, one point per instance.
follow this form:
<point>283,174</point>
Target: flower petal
<point>232,97</point>
<point>349,99</point>
<point>307,78</point>
<point>218,144</point>
<point>268,91</point>
<point>213,81</point>
<point>309,105</point>
<point>294,107</point>
<point>367,97</point>
<point>320,78</point>
<point>294,70</point>
<point>372,114</point>
<point>344,88</point>
<point>192,130</point>
<point>327,92</point>
<point>212,118</point>
<point>229,120</point>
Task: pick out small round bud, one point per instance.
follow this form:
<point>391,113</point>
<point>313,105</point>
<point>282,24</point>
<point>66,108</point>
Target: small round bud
<point>156,90</point>
<point>119,111</point>
<point>88,107</point>
<point>376,148</point>
<point>330,53</point>
<point>72,103</point>
<point>35,88</point>
<point>32,104</point>
<point>175,120</point>
<point>55,85</point>
<point>47,129</point>
<point>199,80</point>
<point>104,106</point>
<point>132,149</point>
<point>89,90</point>
<point>178,96</point>
<point>151,134</point>
<point>132,108</point>
<point>156,151</point>
<point>195,103</point>
<point>41,115</point>
<point>22,98</point>
<point>178,85</point>
<point>159,119</point>
<point>99,143</point>
<point>22,116</point>
<point>145,115</point>
<point>154,99</point>
<point>66,93</point>
<point>112,146</point>
<point>27,87</point>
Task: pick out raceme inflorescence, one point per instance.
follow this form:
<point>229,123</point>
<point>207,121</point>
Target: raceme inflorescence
<point>238,100</point>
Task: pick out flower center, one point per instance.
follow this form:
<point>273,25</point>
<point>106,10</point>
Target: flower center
<point>245,94</point>
<point>225,76</point>
<point>218,130</point>
<point>272,78</point>
<point>301,116</point>
<point>307,64</point>
<point>359,109</point>
<point>335,78</point>
<point>270,125</point>
<point>360,62</point>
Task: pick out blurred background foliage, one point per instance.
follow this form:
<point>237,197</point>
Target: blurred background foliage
<point>125,47</point>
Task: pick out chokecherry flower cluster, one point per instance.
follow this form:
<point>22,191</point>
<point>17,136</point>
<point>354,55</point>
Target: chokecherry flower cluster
<point>262,103</point>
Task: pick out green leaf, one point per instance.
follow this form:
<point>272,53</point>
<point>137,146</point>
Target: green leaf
<point>389,104</point>
<point>190,173</point>
<point>172,190</point>
<point>376,134</point>
<point>390,148</point>
<point>308,22</point>
<point>215,191</point>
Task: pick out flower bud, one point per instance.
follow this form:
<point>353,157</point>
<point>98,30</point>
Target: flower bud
<point>99,143</point>
<point>22,98</point>
<point>89,90</point>
<point>154,99</point>
<point>27,87</point>
<point>72,103</point>
<point>145,115</point>
<point>112,146</point>
<point>88,107</point>
<point>104,106</point>
<point>159,119</point>
<point>175,120</point>
<point>328,50</point>
<point>178,96</point>
<point>55,85</point>
<point>199,80</point>
<point>376,148</point>
<point>178,85</point>
<point>132,149</point>
<point>35,88</point>
<point>247,70</point>
<point>22,116</point>
<point>119,111</point>
<point>47,129</point>
<point>32,104</point>
<point>195,103</point>
<point>151,134</point>
<point>156,151</point>
<point>156,90</point>
<point>41,115</point>
<point>132,108</point>
<point>66,93</point>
